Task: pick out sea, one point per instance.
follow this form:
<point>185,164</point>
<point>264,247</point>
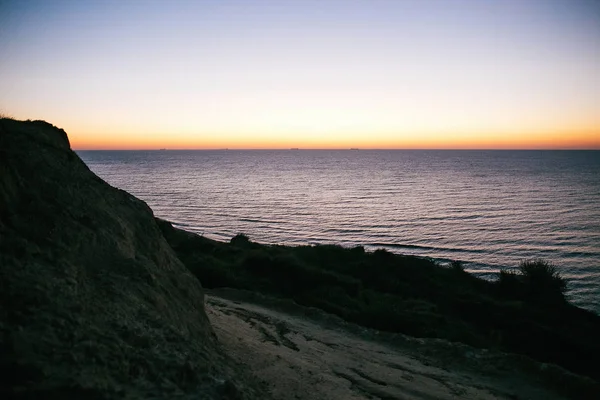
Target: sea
<point>488,209</point>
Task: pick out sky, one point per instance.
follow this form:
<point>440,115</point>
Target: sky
<point>306,73</point>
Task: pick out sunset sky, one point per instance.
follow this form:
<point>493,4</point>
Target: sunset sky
<point>308,74</point>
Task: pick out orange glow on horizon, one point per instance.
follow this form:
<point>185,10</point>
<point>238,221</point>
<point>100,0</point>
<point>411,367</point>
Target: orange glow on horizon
<point>565,139</point>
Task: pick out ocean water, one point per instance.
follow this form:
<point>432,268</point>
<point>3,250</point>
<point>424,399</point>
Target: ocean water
<point>489,209</point>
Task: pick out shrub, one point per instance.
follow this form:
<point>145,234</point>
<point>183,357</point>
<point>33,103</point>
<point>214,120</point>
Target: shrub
<point>382,254</point>
<point>542,280</point>
<point>212,273</point>
<point>536,280</point>
<point>457,266</point>
<point>509,282</point>
<point>357,250</point>
<point>240,240</point>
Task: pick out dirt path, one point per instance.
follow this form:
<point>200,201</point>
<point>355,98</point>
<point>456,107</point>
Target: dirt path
<point>301,357</point>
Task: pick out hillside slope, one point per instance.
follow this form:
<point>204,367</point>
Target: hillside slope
<point>306,354</point>
<point>521,314</point>
<point>93,301</point>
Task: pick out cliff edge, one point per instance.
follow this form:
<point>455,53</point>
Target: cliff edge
<point>93,301</point>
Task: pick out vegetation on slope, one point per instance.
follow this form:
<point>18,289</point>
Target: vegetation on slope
<point>523,312</point>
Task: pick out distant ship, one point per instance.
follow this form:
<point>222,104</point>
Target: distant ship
<point>353,148</point>
<point>294,148</point>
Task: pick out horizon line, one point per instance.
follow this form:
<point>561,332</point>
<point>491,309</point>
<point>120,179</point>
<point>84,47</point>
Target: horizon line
<point>343,149</point>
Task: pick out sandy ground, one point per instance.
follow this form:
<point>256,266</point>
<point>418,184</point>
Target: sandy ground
<point>306,356</point>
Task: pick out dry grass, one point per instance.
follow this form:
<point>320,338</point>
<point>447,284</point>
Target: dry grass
<point>4,115</point>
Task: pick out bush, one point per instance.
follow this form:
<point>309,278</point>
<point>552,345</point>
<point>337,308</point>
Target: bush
<point>240,240</point>
<point>457,266</point>
<point>542,280</point>
<point>536,280</point>
<point>510,283</point>
<point>213,273</point>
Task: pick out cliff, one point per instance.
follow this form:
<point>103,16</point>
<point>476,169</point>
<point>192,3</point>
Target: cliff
<point>93,301</point>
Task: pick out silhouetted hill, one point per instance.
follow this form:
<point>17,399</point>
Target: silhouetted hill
<point>93,301</point>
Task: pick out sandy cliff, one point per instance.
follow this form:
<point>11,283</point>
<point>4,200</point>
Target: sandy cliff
<point>93,301</point>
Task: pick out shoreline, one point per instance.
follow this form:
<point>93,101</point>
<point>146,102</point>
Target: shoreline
<point>478,269</point>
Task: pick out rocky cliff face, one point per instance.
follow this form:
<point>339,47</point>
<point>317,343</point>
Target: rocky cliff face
<point>93,301</point>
